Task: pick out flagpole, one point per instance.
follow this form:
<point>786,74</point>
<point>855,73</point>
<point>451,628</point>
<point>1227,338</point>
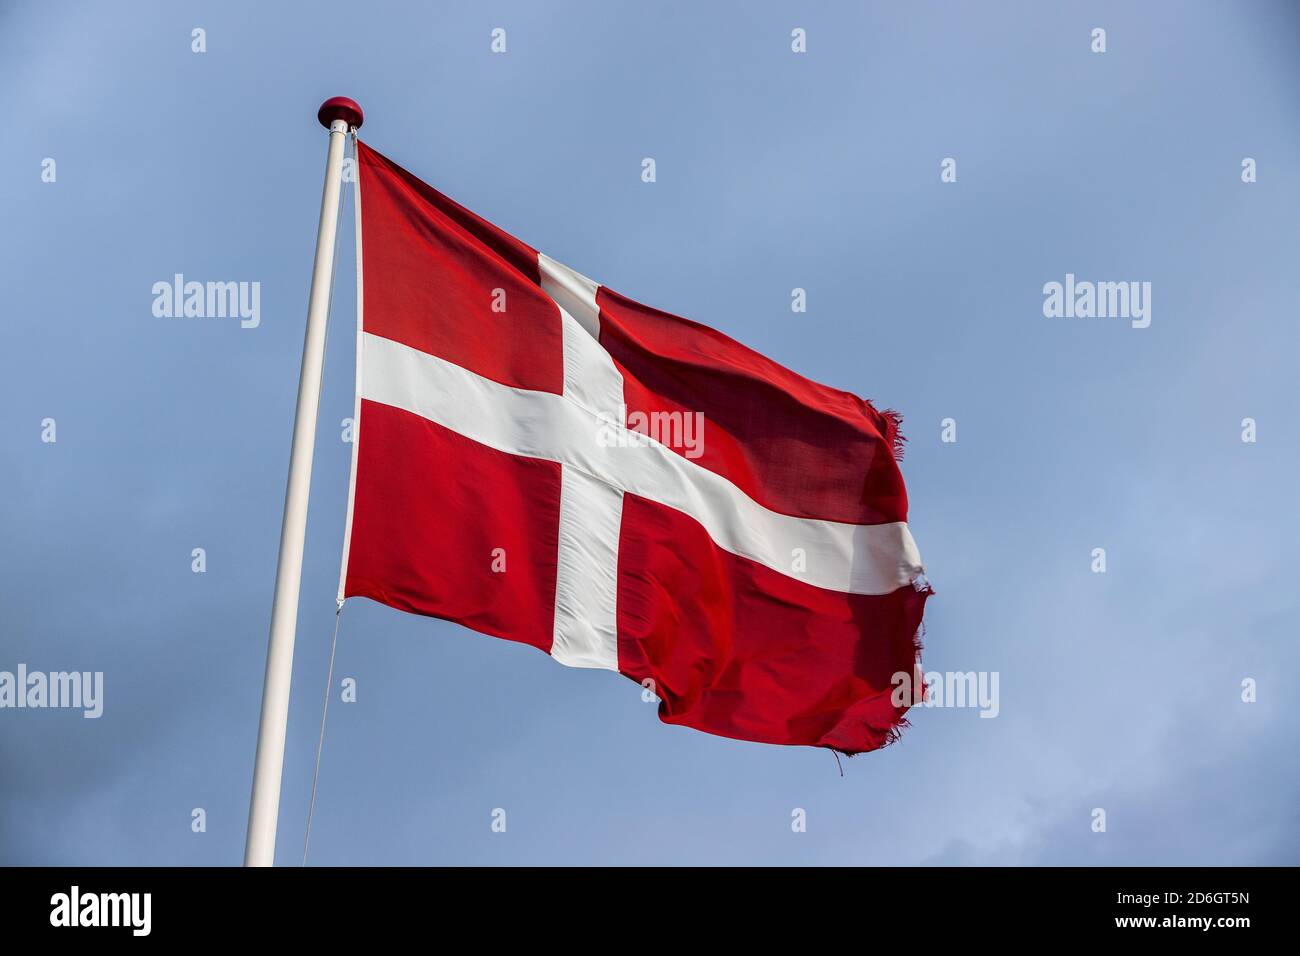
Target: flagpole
<point>337,115</point>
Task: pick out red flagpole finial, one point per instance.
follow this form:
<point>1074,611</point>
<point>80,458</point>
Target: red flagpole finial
<point>340,107</point>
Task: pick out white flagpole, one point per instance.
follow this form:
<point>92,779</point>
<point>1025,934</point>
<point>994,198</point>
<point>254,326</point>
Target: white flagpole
<point>338,115</point>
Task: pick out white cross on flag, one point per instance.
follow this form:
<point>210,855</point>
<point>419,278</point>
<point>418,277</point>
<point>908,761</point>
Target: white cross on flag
<point>541,459</point>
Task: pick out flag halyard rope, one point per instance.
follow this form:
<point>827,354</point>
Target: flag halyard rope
<point>320,743</point>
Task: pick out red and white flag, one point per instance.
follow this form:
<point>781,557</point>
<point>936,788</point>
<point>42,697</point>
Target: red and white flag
<point>542,459</point>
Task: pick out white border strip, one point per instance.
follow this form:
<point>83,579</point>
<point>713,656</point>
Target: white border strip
<point>356,402</point>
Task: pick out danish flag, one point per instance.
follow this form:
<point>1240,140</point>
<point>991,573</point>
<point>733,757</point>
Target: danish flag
<point>754,570</point>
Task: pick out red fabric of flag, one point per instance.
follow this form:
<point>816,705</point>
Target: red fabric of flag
<point>544,460</point>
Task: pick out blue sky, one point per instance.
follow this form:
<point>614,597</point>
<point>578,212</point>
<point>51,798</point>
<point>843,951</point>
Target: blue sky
<point>775,170</point>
